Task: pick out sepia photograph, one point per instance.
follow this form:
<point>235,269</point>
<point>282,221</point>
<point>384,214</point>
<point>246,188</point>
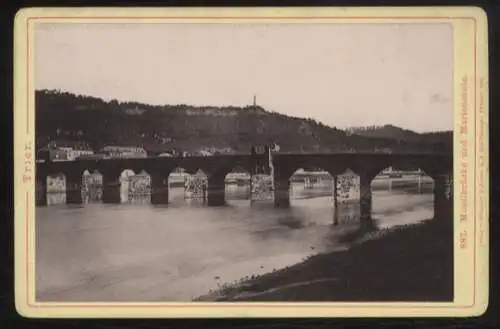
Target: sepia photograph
<point>243,161</point>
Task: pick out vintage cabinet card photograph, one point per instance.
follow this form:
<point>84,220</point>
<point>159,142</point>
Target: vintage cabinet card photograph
<point>256,162</point>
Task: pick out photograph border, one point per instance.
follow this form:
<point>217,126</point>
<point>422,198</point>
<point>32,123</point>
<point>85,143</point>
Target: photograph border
<point>471,160</point>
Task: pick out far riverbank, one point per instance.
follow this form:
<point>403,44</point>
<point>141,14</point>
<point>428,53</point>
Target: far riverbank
<point>405,263</point>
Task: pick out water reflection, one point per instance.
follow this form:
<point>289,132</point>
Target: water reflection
<point>238,192</point>
<point>346,212</point>
<point>364,227</point>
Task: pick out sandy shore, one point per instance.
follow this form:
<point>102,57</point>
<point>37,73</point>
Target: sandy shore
<point>406,263</point>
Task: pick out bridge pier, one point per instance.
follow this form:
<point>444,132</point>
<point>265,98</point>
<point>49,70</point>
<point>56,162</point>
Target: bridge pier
<point>41,192</point>
<point>336,215</point>
<point>365,197</point>
<point>74,190</point>
<point>216,191</point>
<point>443,197</point>
<point>111,190</point>
<point>335,200</point>
<point>159,189</point>
<point>282,193</point>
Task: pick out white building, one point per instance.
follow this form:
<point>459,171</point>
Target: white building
<point>124,152</point>
<point>74,154</point>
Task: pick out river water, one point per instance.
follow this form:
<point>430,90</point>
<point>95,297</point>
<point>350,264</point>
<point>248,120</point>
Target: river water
<point>141,252</point>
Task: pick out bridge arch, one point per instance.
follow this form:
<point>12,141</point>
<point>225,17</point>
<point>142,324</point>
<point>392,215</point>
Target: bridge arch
<point>59,188</point>
<point>400,189</point>
<point>238,185</point>
<point>177,180</point>
<point>311,182</point>
<point>61,184</point>
<point>187,184</point>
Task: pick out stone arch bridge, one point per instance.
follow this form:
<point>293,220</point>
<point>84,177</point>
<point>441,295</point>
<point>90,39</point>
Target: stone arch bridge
<point>365,165</point>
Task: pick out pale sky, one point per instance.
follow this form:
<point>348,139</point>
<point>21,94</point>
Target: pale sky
<point>340,74</point>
